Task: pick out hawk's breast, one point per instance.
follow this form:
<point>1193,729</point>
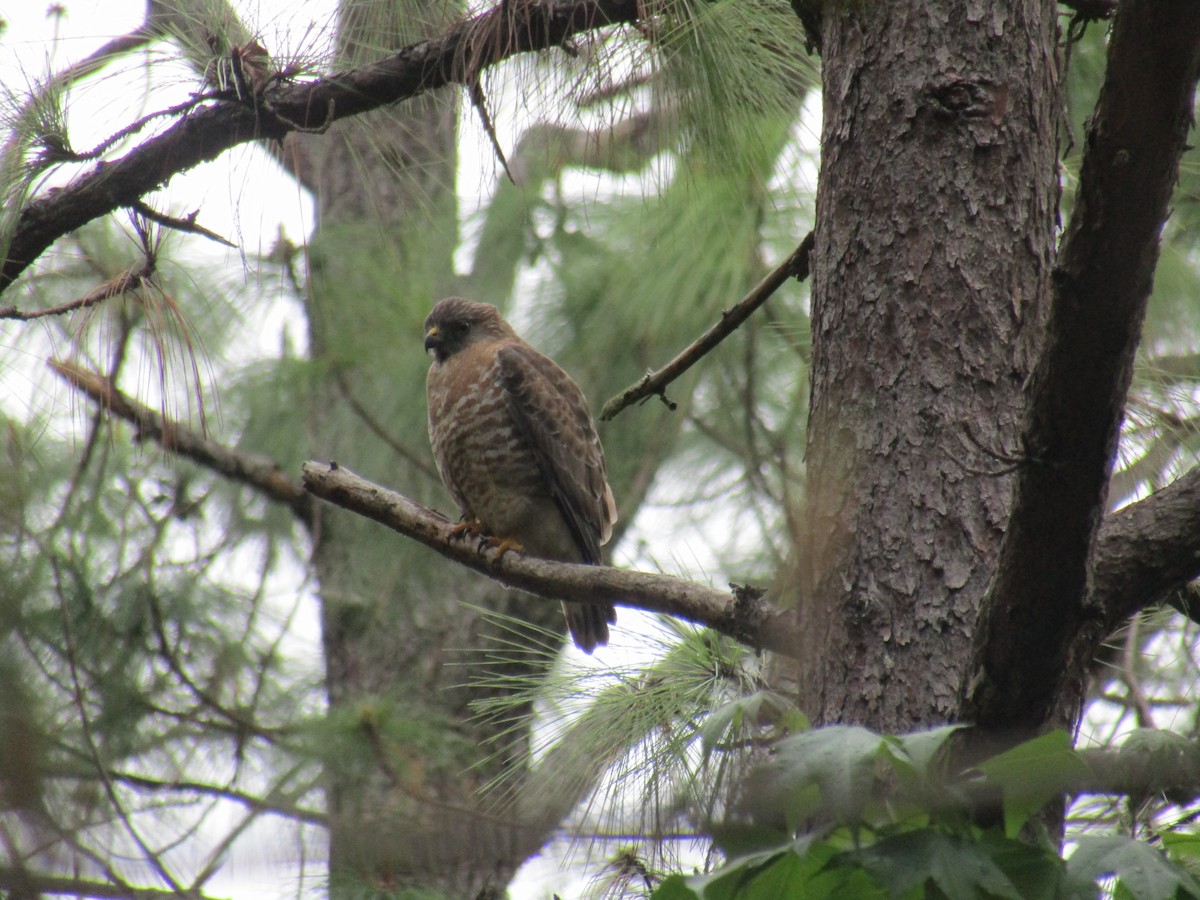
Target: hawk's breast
<point>481,455</point>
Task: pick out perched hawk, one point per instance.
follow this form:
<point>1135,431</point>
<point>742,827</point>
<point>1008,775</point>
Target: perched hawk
<point>517,448</point>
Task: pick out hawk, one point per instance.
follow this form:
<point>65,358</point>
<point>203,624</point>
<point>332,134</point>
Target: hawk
<point>517,448</point>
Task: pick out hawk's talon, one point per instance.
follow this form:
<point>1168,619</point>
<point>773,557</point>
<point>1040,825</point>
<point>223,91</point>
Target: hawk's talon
<point>502,546</point>
<point>484,541</point>
<point>463,529</point>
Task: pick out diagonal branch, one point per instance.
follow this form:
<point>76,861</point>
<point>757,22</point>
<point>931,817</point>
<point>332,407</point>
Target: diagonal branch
<point>655,383</point>
<point>128,280</point>
<point>1147,550</point>
<point>454,57</point>
<point>259,472</point>
<point>186,223</point>
<point>740,614</point>
<point>1037,602</point>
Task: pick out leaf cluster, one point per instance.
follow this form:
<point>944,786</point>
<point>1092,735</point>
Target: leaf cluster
<point>844,812</point>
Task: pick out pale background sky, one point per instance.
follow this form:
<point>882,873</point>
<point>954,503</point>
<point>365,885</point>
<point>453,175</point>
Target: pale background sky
<point>246,197</point>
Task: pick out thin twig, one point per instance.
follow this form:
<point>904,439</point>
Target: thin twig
<point>655,383</point>
<point>275,801</point>
<point>504,31</point>
<point>24,883</point>
<point>479,101</point>
<point>254,470</point>
<point>375,426</point>
<point>1092,10</point>
<point>55,155</point>
<point>244,725</point>
<point>187,223</point>
<point>114,287</point>
<point>93,749</point>
<point>1133,687</point>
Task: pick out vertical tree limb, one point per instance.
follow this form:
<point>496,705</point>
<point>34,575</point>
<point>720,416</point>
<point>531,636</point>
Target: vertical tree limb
<point>1038,599</point>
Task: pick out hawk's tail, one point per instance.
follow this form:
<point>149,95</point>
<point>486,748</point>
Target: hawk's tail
<point>588,623</point>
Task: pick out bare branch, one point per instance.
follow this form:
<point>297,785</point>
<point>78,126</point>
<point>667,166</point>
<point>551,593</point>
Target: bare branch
<point>275,801</point>
<point>114,287</point>
<point>622,146</point>
<point>454,57</point>
<point>51,155</point>
<point>259,472</point>
<point>187,223</point>
<point>24,883</point>
<point>416,460</point>
<point>740,614</point>
<point>479,101</point>
<point>1037,601</point>
<point>655,383</point>
<point>1171,769</point>
<point>1147,550</point>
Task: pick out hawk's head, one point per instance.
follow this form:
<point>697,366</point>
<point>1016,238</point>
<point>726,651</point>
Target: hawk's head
<point>456,323</point>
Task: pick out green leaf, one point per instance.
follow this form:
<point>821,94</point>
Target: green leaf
<point>1036,871</point>
<point>1143,871</point>
<point>786,877</point>
<point>736,838</point>
<point>960,868</point>
<point>728,881</point>
<point>913,757</point>
<point>844,883</point>
<point>1033,773</point>
<point>796,870</point>
<point>727,720</point>
<point>923,747</point>
<point>837,761</point>
<point>1181,846</point>
<point>675,887</point>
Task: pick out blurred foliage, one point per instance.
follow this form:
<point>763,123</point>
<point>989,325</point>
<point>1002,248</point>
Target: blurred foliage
<point>155,674</point>
<point>843,812</point>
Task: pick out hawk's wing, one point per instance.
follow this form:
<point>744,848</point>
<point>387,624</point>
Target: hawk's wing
<point>552,414</point>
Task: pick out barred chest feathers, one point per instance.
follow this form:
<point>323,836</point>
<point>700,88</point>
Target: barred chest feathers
<point>479,452</point>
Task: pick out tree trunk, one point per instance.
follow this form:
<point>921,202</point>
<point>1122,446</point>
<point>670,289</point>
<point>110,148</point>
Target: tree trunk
<point>935,232</point>
<point>395,619</point>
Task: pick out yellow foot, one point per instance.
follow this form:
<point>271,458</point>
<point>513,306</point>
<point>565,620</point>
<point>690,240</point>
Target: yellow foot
<point>503,545</point>
<point>484,541</point>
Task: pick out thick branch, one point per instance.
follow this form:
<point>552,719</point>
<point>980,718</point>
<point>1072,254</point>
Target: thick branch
<point>258,472</point>
<point>655,383</point>
<point>1147,550</point>
<point>457,56</point>
<point>741,616</point>
<point>1037,601</point>
<point>1149,764</point>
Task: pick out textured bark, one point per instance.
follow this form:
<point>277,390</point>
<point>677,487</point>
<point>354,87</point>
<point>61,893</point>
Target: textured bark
<point>1076,397</point>
<point>1147,550</point>
<point>935,225</point>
